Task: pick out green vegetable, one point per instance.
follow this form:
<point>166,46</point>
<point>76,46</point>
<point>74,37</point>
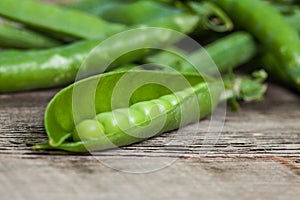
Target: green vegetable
<point>270,28</point>
<point>293,19</point>
<point>154,14</point>
<point>41,68</point>
<point>94,7</point>
<point>132,13</point>
<point>12,36</point>
<point>225,53</point>
<point>120,108</point>
<point>285,8</point>
<point>59,66</point>
<point>212,16</point>
<point>58,20</point>
<point>75,121</point>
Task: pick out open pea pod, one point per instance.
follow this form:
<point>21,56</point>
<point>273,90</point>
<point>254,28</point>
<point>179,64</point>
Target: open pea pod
<point>120,108</point>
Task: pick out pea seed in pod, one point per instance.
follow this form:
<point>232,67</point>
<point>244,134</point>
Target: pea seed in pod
<point>120,119</point>
<point>108,121</point>
<point>172,99</point>
<point>87,130</point>
<point>155,112</point>
<point>149,108</point>
<point>163,105</point>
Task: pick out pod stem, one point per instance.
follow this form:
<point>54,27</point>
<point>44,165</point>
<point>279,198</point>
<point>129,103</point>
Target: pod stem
<point>245,88</point>
<point>212,16</point>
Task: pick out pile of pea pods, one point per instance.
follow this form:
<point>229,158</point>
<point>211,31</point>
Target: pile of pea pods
<point>44,45</point>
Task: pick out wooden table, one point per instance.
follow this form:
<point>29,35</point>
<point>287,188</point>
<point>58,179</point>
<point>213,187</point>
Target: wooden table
<point>257,156</point>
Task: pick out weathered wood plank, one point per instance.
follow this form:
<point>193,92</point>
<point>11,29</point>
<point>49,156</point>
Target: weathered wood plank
<point>255,157</point>
<point>184,179</point>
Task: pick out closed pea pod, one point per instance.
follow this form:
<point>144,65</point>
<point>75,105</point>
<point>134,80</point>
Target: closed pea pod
<point>59,66</point>
<point>130,13</point>
<point>279,38</point>
<point>93,6</point>
<point>12,36</point>
<point>293,19</point>
<point>41,68</point>
<point>228,52</point>
<point>56,20</point>
<point>153,13</point>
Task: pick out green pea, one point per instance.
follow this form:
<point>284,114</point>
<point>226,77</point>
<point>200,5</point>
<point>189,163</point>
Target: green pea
<point>87,130</point>
<point>129,117</point>
<point>172,99</point>
<point>109,122</point>
<point>163,105</point>
<point>183,94</point>
<point>148,108</point>
<point>120,120</point>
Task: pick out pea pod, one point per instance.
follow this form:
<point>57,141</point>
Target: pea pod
<point>130,13</point>
<point>59,66</point>
<point>41,68</point>
<point>102,121</point>
<point>149,12</point>
<point>279,38</point>
<point>57,20</point>
<point>15,37</point>
<point>293,19</point>
<point>93,6</point>
<point>226,53</point>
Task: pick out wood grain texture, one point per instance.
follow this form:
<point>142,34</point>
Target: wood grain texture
<point>256,156</point>
<point>185,179</point>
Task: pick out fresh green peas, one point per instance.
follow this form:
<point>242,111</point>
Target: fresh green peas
<point>112,127</point>
<point>87,130</point>
<point>139,114</point>
<point>133,117</point>
<point>148,108</point>
<point>109,122</point>
<point>162,104</point>
<point>173,100</point>
<point>121,120</point>
<point>123,126</point>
